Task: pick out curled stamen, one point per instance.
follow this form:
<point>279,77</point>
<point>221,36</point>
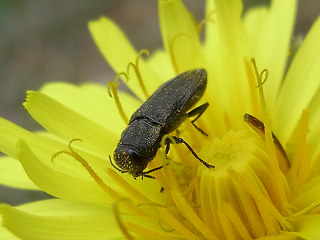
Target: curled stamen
<point>262,76</point>
<point>282,188</point>
<point>83,162</point>
<point>112,91</point>
<point>171,43</point>
<point>261,81</point>
<point>137,71</point>
<point>115,82</point>
<point>204,21</point>
<point>66,152</point>
<point>108,190</point>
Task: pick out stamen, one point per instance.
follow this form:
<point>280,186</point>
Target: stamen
<point>137,71</point>
<point>188,212</point>
<point>309,207</point>
<point>149,234</point>
<point>264,75</point>
<point>112,90</point>
<point>261,79</point>
<point>280,184</point>
<point>113,194</point>
<point>207,19</point>
<point>251,82</point>
<point>176,224</point>
<point>123,228</point>
<point>236,221</point>
<point>269,214</point>
<point>225,225</point>
<point>281,236</point>
<point>192,192</point>
<point>128,188</point>
<point>171,52</point>
<point>241,194</point>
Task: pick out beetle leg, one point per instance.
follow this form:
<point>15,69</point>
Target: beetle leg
<point>145,174</point>
<point>167,146</point>
<point>198,111</point>
<point>180,140</point>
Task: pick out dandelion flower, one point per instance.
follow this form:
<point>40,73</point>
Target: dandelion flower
<point>262,125</point>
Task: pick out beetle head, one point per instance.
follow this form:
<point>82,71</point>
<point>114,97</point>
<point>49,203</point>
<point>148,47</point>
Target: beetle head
<point>130,160</point>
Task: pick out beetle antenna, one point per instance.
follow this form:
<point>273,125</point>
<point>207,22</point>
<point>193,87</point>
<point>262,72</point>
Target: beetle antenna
<point>120,170</point>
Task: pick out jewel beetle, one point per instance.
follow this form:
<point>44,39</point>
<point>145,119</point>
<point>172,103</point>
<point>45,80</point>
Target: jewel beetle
<point>162,113</point>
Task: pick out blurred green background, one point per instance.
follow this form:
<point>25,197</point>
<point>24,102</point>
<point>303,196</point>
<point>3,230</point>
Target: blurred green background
<point>47,40</point>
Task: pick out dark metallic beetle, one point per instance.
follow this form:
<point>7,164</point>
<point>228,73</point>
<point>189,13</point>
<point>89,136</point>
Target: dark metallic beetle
<point>160,114</point>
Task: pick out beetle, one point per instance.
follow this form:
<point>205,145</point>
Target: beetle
<point>162,113</point>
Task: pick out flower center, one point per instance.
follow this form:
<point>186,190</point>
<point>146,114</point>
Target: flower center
<point>232,152</point>
<point>241,193</point>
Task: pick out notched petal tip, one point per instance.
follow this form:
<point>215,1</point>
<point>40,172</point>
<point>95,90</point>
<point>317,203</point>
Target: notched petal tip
<point>28,98</point>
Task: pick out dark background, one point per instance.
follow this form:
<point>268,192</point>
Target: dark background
<point>48,40</point>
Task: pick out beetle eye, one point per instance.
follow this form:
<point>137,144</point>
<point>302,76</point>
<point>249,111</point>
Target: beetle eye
<point>133,154</point>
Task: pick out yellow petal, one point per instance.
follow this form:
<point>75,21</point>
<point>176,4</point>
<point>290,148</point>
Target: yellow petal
<point>307,227</point>
<point>93,102</point>
<point>270,37</point>
<point>309,195</point>
<point>65,223</point>
<point>57,183</point>
<point>10,134</point>
<point>301,84</point>
<point>314,112</point>
<point>60,219</point>
<point>180,36</point>
<point>5,234</point>
<point>118,52</point>
<point>254,21</point>
<point>226,52</point>
<point>60,207</point>
<point>13,175</point>
<point>45,146</point>
<point>159,61</point>
<point>66,123</point>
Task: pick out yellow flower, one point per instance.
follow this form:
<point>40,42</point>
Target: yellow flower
<point>266,181</point>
